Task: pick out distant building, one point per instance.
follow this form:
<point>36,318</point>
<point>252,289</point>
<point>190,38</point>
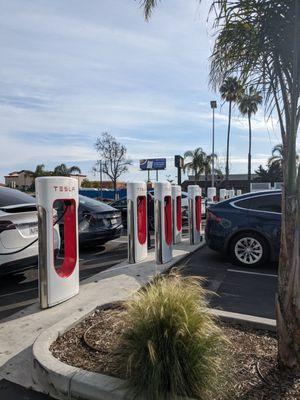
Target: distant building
<point>236,181</point>
<point>24,179</point>
<point>19,179</point>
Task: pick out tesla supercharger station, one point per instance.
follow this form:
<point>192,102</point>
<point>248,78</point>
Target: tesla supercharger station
<point>211,195</point>
<point>163,222</point>
<point>194,195</point>
<point>137,221</point>
<point>57,204</point>
<point>231,193</point>
<point>177,214</point>
<point>223,194</point>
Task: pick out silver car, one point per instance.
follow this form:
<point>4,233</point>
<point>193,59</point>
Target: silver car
<point>19,231</point>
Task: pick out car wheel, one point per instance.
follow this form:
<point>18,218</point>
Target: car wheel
<point>249,249</point>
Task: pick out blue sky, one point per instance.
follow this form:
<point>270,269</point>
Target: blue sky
<point>72,69</point>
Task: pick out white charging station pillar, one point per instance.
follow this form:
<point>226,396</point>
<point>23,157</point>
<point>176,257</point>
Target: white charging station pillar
<point>195,200</point>
<point>177,214</point>
<point>231,193</point>
<point>238,192</point>
<point>223,194</point>
<point>137,221</point>
<point>163,222</point>
<point>57,204</point>
<point>211,195</point>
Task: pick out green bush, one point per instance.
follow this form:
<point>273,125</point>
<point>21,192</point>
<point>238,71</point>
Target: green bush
<point>172,347</point>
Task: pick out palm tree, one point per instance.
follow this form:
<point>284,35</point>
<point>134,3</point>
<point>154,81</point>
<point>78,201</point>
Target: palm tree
<point>195,163</point>
<point>277,155</point>
<point>248,105</point>
<point>63,170</point>
<point>259,41</point>
<point>39,171</point>
<point>230,90</point>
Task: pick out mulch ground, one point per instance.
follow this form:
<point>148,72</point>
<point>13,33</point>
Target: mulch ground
<point>89,346</point>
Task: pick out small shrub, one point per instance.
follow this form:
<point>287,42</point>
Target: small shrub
<point>172,347</point>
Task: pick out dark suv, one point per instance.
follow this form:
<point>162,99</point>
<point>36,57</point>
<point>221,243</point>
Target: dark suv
<point>246,227</point>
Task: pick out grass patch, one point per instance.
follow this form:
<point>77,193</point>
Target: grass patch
<point>172,347</point>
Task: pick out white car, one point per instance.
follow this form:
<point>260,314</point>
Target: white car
<point>19,231</point>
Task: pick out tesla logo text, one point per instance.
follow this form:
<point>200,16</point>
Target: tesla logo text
<point>61,188</point>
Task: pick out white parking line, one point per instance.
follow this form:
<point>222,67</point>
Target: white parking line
<point>252,273</point>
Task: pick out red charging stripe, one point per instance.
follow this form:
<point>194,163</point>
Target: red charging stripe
<point>142,219</point>
<point>178,213</point>
<point>70,241</point>
<point>198,212</point>
<point>168,220</point>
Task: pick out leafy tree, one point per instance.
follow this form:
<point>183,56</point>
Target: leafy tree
<point>230,91</point>
<point>248,105</point>
<point>272,173</point>
<point>258,40</point>
<point>113,156</point>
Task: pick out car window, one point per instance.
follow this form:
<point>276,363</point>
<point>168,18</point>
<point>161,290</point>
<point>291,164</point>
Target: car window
<point>13,197</point>
<point>270,203</point>
<point>120,203</point>
<point>243,203</point>
<point>92,203</point>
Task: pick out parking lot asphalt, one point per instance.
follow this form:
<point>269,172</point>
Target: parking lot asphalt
<point>19,290</point>
<point>239,289</point>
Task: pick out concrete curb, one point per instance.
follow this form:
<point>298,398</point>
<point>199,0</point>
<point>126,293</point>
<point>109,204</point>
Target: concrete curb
<point>62,381</point>
<point>247,321</point>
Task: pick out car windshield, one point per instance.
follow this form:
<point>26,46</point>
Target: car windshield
<point>95,204</point>
<point>13,197</point>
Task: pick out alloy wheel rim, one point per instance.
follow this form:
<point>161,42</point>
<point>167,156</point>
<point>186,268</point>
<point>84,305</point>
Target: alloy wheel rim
<point>248,250</point>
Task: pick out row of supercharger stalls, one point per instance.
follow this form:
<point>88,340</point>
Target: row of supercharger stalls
<point>57,205</point>
<point>167,216</point>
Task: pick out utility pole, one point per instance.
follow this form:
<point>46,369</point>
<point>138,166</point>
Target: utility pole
<point>179,165</point>
<point>213,106</point>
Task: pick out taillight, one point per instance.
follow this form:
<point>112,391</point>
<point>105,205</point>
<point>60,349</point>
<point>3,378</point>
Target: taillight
<point>6,226</point>
<point>213,217</point>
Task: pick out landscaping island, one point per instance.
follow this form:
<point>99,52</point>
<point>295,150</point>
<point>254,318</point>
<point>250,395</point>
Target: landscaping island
<point>91,344</point>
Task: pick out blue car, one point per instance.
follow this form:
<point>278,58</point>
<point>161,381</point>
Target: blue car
<point>247,227</point>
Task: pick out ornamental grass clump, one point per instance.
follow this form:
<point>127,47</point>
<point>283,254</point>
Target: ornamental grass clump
<point>171,347</point>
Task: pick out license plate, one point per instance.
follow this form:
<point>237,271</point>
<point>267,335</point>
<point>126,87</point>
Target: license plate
<point>113,221</point>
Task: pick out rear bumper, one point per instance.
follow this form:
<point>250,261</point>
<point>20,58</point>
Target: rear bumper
<point>100,236</point>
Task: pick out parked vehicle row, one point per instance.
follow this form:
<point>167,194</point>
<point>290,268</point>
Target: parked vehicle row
<point>121,205</point>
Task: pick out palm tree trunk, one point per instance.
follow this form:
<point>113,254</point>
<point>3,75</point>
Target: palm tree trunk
<point>288,296</point>
<point>249,152</point>
<point>227,150</point>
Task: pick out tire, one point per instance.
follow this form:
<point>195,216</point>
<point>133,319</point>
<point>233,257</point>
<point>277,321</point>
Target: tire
<point>249,249</point>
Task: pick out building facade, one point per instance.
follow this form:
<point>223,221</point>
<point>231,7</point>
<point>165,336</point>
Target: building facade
<point>24,179</point>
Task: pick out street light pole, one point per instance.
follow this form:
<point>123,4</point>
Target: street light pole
<point>213,105</point>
